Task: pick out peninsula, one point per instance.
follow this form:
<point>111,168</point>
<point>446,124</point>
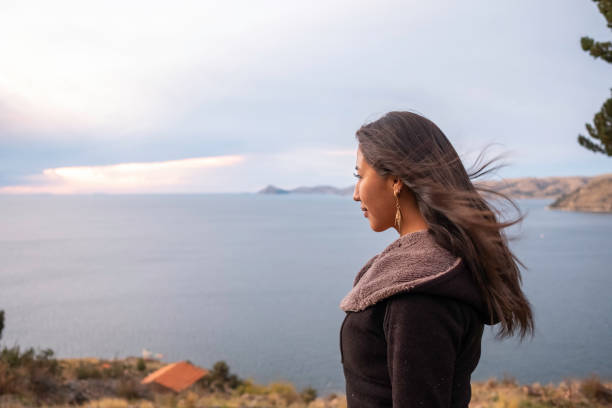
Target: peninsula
<point>573,193</point>
<point>594,196</point>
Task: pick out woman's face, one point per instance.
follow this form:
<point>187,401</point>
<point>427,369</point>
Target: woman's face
<point>375,194</point>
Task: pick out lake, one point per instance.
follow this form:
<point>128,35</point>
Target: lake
<point>256,280</point>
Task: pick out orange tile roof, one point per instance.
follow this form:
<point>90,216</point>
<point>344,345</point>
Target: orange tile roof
<point>176,376</point>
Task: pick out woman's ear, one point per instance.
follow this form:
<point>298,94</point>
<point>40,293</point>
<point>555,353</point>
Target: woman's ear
<point>397,185</point>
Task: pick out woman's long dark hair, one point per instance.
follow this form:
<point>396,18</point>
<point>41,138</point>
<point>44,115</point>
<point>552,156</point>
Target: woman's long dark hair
<point>414,149</point>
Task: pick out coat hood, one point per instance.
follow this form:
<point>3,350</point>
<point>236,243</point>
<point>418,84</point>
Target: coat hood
<point>415,262</point>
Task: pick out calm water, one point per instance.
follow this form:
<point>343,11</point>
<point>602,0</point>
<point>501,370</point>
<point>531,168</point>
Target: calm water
<point>256,280</point>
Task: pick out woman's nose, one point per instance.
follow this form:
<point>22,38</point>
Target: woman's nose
<point>356,194</point>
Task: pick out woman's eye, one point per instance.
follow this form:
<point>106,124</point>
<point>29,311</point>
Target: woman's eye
<point>356,175</point>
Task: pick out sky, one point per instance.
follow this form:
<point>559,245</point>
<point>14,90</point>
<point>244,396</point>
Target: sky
<point>223,97</point>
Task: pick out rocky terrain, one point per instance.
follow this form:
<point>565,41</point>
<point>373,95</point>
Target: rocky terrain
<point>97,383</point>
<point>527,187</point>
<point>576,193</point>
<point>594,196</point>
<point>31,378</point>
<point>532,187</point>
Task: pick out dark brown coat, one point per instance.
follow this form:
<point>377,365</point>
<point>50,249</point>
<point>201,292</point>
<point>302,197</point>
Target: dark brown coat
<point>414,347</point>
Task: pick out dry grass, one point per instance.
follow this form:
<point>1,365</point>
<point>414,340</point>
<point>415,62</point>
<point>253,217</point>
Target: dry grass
<point>595,390</point>
<point>118,403</point>
<point>121,379</point>
<point>570,393</point>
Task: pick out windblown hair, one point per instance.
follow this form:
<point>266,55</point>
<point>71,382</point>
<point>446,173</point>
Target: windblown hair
<point>414,149</point>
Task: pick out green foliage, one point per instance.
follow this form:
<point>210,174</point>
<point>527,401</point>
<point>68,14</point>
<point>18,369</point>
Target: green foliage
<point>284,390</point>
<point>116,370</point>
<point>28,372</point>
<point>601,130</point>
<point>233,381</point>
<point>220,378</point>
<point>598,49</point>
<point>1,322</point>
<point>248,386</point>
<point>14,358</point>
<point>220,371</point>
<point>280,389</point>
<point>141,365</point>
<point>308,394</point>
<point>87,370</point>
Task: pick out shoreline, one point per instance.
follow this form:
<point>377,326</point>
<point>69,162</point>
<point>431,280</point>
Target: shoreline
<point>116,383</point>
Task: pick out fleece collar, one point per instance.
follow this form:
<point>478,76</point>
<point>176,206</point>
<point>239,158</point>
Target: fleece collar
<point>408,262</point>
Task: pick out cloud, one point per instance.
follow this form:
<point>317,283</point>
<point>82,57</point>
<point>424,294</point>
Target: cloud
<point>213,174</point>
<point>91,68</point>
<point>145,177</point>
<point>81,82</point>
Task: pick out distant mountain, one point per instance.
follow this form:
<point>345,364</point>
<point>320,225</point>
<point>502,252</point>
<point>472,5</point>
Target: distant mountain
<point>308,190</point>
<point>594,196</point>
<point>527,187</point>
<point>532,187</point>
<point>573,193</point>
<point>273,190</point>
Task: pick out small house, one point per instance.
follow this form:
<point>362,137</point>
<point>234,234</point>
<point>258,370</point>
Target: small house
<point>176,376</point>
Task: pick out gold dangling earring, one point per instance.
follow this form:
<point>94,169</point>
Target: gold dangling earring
<point>398,213</point>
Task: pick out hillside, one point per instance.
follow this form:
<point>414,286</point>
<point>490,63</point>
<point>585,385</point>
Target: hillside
<point>270,189</point>
<point>98,383</point>
<point>532,187</point>
<point>594,196</point>
<point>526,187</point>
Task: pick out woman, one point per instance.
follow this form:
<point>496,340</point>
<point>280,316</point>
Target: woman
<point>415,315</point>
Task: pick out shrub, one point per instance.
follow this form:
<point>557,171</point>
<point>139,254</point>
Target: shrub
<point>28,372</point>
<point>116,370</point>
<point>141,365</point>
<point>285,390</point>
<point>190,400</point>
<point>129,389</point>
<point>308,395</point>
<point>41,383</point>
<point>593,389</point>
<point>220,371</point>
<point>234,381</point>
<point>9,380</point>
<point>332,396</point>
<point>508,380</point>
<point>219,378</point>
<point>249,387</point>
<point>491,383</point>
<point>166,400</point>
<point>14,358</point>
<point>85,371</point>
<point>1,322</point>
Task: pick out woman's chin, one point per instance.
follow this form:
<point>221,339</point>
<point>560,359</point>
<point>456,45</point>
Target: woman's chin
<point>377,227</point>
